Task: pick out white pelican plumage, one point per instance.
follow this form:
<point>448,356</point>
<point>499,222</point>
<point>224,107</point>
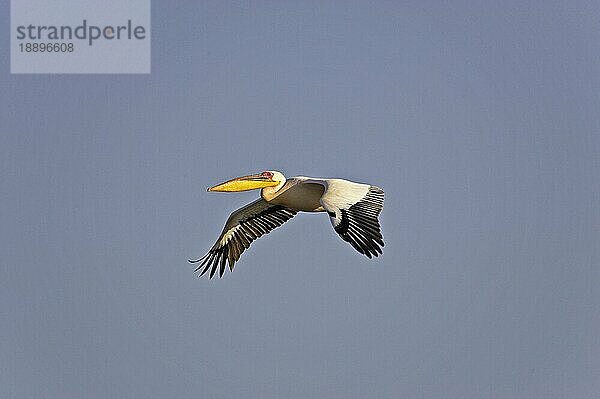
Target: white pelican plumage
<point>353,210</point>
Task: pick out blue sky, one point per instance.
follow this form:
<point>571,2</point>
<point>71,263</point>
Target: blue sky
<point>479,120</point>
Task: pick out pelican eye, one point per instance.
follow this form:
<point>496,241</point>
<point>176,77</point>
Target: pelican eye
<point>267,174</point>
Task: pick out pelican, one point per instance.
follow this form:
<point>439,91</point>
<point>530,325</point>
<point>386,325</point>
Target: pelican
<point>353,210</point>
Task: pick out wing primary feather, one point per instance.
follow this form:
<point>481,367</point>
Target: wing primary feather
<point>214,266</point>
<point>206,265</point>
<point>222,268</point>
<point>359,241</point>
<point>364,241</point>
<point>205,261</point>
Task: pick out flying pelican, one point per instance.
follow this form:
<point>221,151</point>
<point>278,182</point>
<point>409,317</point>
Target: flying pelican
<point>353,209</point>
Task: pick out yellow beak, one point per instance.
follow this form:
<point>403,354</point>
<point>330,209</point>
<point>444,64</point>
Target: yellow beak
<point>244,183</point>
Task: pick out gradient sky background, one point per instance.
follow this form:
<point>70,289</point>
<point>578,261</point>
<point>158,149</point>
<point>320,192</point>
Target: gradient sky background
<point>480,120</point>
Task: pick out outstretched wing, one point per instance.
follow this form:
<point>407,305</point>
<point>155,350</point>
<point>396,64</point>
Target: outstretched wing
<point>353,210</point>
<point>243,226</point>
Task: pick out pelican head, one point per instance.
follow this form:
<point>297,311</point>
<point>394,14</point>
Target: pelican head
<point>268,178</point>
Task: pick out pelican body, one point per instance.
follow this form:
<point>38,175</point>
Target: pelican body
<point>353,210</point>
